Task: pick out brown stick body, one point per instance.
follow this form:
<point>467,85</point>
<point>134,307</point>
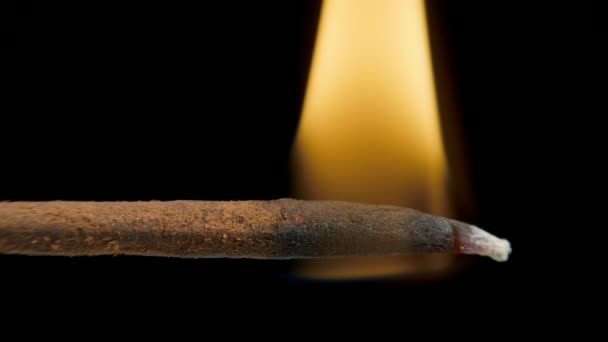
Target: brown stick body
<point>282,228</point>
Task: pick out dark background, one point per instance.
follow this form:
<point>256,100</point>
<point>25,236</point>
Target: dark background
<point>157,101</point>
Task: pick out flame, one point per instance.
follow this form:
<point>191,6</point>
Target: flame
<point>370,128</point>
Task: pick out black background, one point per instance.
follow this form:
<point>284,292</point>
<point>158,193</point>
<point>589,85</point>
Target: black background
<point>158,101</point>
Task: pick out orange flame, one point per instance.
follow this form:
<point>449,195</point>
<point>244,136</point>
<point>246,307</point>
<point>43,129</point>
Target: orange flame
<point>370,128</point>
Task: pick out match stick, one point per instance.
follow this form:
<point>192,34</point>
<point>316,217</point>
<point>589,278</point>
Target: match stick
<point>278,229</point>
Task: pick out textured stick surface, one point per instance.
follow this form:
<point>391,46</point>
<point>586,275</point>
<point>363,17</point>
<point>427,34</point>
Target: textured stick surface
<point>282,228</point>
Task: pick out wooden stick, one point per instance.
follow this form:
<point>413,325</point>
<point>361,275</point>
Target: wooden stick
<point>282,228</point>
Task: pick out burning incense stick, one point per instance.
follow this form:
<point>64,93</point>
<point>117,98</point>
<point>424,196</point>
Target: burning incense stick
<point>279,229</point>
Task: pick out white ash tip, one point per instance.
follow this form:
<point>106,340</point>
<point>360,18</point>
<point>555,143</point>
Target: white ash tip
<point>484,243</point>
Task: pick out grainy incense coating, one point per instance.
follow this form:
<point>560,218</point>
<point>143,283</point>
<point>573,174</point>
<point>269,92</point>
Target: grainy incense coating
<point>282,228</point>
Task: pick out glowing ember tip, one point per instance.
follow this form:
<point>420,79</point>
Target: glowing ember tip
<point>470,239</point>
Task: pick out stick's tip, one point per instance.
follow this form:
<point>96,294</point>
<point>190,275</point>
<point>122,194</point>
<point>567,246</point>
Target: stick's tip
<point>483,243</point>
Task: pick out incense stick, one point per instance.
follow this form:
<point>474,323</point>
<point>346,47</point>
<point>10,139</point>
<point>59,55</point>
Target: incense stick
<point>276,229</point>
